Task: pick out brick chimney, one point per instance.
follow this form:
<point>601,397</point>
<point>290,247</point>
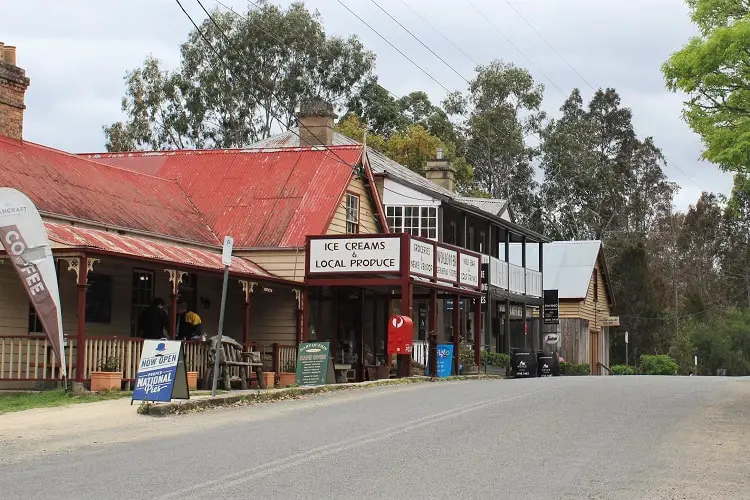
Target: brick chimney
<point>441,172</point>
<point>316,123</point>
<point>13,85</point>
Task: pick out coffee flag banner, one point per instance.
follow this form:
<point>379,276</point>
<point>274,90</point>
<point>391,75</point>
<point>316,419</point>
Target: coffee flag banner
<point>24,239</point>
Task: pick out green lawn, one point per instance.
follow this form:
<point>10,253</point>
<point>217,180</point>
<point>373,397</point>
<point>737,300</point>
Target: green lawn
<point>45,399</point>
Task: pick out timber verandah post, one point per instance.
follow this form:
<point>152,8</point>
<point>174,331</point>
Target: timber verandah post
<point>247,291</point>
<point>81,266</point>
<point>175,277</point>
<point>406,298</point>
<point>83,274</point>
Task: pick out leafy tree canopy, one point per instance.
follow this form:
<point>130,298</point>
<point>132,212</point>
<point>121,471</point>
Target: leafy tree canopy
<point>278,58</point>
<point>714,70</point>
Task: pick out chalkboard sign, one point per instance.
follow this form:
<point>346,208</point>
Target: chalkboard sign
<point>314,364</point>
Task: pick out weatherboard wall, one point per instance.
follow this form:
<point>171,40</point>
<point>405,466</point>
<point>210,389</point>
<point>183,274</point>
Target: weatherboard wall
<point>367,219</point>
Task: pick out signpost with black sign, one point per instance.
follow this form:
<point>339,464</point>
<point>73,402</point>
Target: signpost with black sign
<point>551,307</point>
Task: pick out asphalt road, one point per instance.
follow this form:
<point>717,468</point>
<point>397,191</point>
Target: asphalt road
<point>561,438</point>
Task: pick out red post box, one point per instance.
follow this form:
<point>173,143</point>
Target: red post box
<point>400,335</point>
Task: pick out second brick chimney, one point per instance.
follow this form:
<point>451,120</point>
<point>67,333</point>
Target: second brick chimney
<point>13,85</point>
<point>316,123</point>
<point>441,172</point>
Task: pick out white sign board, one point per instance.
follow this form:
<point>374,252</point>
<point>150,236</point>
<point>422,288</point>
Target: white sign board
<point>551,339</point>
<point>447,265</point>
<point>422,258</point>
<point>469,270</point>
<point>626,337</point>
<point>226,252</point>
<point>355,255</point>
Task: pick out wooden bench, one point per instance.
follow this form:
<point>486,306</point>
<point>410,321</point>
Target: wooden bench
<point>233,355</point>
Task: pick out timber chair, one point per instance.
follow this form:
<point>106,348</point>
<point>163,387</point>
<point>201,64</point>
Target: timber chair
<point>233,356</point>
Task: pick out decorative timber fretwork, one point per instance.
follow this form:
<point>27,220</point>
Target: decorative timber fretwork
<point>247,289</point>
<point>74,265</point>
<point>175,277</point>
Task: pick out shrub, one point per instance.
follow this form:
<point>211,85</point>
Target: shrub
<point>495,359</point>
<point>110,364</point>
<point>573,369</point>
<point>660,364</point>
<point>622,370</point>
<point>467,356</point>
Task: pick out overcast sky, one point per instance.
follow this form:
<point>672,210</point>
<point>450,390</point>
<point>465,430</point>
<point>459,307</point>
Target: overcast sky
<point>77,51</point>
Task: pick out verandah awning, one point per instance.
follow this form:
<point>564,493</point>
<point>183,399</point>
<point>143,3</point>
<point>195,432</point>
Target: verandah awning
<point>141,248</point>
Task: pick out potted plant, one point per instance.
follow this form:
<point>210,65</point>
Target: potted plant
<point>466,359</point>
<point>192,380</point>
<point>109,376</point>
<point>288,375</point>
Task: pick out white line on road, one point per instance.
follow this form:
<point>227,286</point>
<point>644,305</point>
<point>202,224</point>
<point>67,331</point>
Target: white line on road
<point>236,478</point>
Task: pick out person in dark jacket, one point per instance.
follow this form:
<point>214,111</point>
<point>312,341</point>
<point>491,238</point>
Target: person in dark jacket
<point>154,321</point>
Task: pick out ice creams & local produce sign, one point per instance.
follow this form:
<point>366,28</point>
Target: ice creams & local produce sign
<point>393,255</point>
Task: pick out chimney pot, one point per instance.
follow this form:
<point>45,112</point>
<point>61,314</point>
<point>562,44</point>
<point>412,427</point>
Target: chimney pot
<point>9,54</point>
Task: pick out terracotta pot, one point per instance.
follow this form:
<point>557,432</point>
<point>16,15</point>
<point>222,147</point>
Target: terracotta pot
<point>286,379</point>
<point>106,381</point>
<point>192,381</point>
<point>270,378</point>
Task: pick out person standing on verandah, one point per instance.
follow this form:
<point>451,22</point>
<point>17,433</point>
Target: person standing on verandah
<point>153,322</point>
<point>189,325</point>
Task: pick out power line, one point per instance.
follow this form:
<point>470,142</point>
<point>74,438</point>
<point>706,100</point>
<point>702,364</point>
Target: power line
<point>394,47</point>
<point>420,16</point>
<point>234,77</point>
<point>514,46</point>
<point>668,160</point>
<point>419,40</point>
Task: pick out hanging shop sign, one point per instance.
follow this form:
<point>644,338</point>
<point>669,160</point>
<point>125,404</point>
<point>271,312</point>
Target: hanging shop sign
<point>422,258</point>
<point>447,265</point>
<point>469,270</point>
<point>355,255</point>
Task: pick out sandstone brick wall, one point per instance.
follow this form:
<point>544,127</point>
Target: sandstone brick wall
<point>13,84</point>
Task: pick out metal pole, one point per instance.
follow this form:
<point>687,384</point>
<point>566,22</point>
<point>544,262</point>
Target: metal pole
<point>627,362</point>
<point>218,351</point>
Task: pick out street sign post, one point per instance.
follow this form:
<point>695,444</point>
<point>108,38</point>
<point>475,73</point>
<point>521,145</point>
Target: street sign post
<point>226,259</point>
<point>626,349</point>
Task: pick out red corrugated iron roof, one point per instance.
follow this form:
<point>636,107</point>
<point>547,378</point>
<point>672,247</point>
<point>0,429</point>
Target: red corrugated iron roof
<point>262,197</point>
<point>141,248</point>
<point>68,185</point>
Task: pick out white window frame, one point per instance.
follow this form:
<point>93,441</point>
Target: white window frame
<point>352,214</point>
<point>410,219</point>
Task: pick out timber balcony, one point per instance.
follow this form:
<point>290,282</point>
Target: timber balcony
<point>514,279</point>
<point>30,358</point>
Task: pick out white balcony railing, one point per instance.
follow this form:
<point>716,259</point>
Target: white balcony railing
<point>533,283</point>
<point>517,279</point>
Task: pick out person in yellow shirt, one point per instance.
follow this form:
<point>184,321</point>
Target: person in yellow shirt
<point>189,326</point>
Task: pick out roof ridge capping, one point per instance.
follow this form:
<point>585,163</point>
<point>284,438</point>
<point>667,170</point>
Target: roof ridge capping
<point>248,150</point>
